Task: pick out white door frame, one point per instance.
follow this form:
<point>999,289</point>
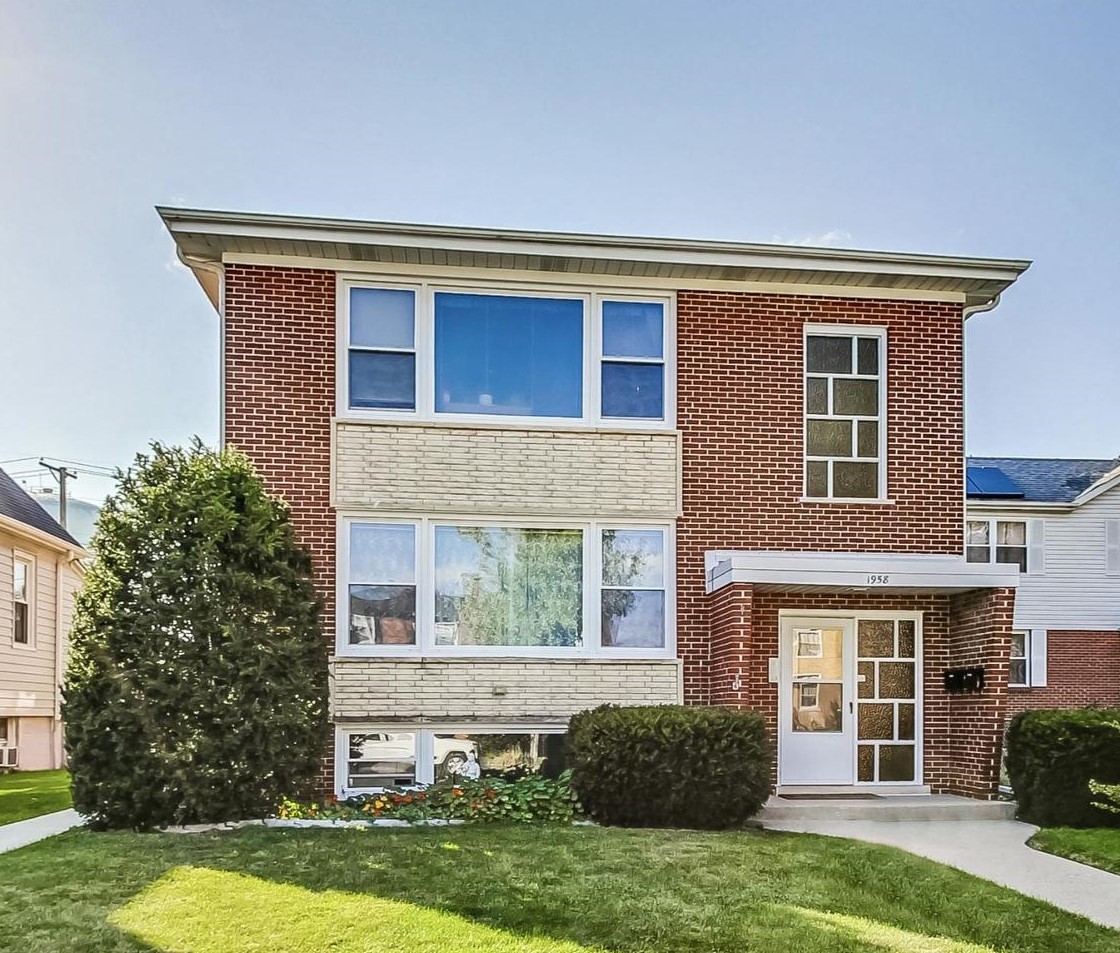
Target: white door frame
<point>851,617</point>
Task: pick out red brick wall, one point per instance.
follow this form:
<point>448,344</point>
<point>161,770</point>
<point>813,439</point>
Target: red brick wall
<point>1082,671</point>
<point>279,400</point>
<point>740,405</point>
<point>962,734</point>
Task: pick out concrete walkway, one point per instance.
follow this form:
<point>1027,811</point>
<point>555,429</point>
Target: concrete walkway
<point>993,849</point>
<point>22,833</point>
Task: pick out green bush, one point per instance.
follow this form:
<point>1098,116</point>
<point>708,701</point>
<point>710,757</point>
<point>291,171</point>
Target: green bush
<point>533,798</point>
<point>197,681</point>
<point>1051,758</point>
<point>670,765</point>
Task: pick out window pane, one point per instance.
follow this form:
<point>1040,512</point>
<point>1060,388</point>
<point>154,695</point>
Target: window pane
<point>855,397</point>
<point>829,438</point>
<point>1018,672</point>
<point>978,532</point>
<point>867,438</point>
<point>500,354</point>
<point>382,380</point>
<point>816,478</point>
<point>1012,555</point>
<point>634,618</point>
<point>868,356</point>
<point>501,586</point>
<point>1011,534</point>
<point>469,755</point>
<point>381,760</point>
<point>855,479</point>
<point>977,554</point>
<point>383,553</point>
<point>20,630</point>
<point>632,329</point>
<point>1018,644</point>
<point>818,707</point>
<point>19,581</point>
<point>816,395</point>
<point>634,557</point>
<point>896,762</point>
<point>382,317</point>
<point>826,354</point>
<point>633,390</point>
<point>382,615</point>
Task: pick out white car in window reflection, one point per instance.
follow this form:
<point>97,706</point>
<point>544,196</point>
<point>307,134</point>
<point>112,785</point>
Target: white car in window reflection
<point>450,753</point>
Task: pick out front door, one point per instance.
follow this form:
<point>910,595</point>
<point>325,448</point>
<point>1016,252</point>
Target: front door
<point>816,720</point>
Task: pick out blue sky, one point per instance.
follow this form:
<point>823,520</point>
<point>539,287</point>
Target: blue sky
<point>975,128</point>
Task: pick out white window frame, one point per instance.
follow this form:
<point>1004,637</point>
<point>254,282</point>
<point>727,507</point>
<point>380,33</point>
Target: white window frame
<point>424,341</point>
<point>993,545</point>
<point>425,745</point>
<point>27,560</point>
<point>347,347</point>
<point>1025,658</point>
<point>853,331</point>
<point>425,590</point>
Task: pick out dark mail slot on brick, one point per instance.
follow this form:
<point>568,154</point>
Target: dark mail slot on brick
<point>959,680</point>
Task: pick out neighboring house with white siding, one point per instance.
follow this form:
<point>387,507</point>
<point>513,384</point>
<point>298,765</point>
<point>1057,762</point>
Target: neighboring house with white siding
<point>39,576</point>
<point>1059,520</point>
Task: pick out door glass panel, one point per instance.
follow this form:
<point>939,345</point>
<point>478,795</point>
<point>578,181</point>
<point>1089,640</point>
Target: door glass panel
<point>896,762</point>
<point>876,721</point>
<point>867,679</point>
<point>866,763</point>
<point>876,638</point>
<point>906,722</point>
<point>906,638</point>
<point>887,708</point>
<point>818,707</point>
<point>896,679</point>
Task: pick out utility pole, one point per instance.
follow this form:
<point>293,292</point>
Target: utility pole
<point>61,474</point>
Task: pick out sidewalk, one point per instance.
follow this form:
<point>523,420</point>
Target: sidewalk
<point>995,850</point>
<point>22,833</point>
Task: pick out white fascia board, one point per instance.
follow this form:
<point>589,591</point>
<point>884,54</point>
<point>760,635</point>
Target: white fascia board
<point>574,245</point>
<point>986,509</point>
<point>1103,485</point>
<point>871,571</point>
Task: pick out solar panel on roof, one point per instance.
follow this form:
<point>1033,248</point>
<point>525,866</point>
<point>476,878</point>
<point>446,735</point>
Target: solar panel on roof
<point>992,482</point>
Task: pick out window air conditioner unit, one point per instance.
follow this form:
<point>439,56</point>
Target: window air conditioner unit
<point>9,757</point>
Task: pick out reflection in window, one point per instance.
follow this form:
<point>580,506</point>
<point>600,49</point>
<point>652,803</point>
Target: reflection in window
<point>508,587</point>
<point>818,707</point>
<point>382,348</point>
<point>469,755</point>
<point>382,589</point>
<point>633,588</point>
<point>378,760</point>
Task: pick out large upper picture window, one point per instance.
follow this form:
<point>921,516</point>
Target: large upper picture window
<point>382,348</point>
<point>501,354</point>
<point>844,417</point>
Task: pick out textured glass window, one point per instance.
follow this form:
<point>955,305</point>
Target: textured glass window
<point>508,355</point>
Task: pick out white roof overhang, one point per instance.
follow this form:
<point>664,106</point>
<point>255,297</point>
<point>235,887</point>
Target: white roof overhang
<point>855,573</point>
<point>208,238</point>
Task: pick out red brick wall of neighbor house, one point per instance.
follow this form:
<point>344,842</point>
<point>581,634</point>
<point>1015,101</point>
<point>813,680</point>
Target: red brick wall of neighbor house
<point>1082,671</point>
<point>279,399</point>
<point>962,734</point>
<point>740,406</point>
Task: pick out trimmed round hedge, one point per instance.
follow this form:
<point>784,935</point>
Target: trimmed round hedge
<point>1051,758</point>
<point>670,765</point>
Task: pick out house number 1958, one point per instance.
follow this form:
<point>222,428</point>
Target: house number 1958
<point>878,579</point>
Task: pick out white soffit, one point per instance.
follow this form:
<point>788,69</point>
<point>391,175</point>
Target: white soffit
<point>856,572</point>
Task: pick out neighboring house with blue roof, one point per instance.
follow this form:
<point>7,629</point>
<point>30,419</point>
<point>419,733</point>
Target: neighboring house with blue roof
<point>1059,520</point>
<point>40,573</point>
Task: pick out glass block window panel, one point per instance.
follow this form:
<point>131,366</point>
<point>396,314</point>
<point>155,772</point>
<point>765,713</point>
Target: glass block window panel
<point>508,355</point>
<point>978,541</point>
<point>632,369</point>
<point>876,721</point>
<point>876,638</point>
<point>378,760</point>
<point>867,680</point>
<point>1020,644</point>
<point>382,584</point>
<point>1011,544</point>
<point>633,588</point>
<point>818,707</point>
<point>843,416</point>
<point>896,679</point>
<point>905,722</point>
<point>382,349</point>
<point>896,762</point>
<point>502,586</point>
<point>905,638</point>
<point>467,755</point>
<point>865,761</point>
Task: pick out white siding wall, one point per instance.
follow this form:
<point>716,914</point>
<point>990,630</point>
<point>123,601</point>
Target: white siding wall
<point>1073,590</point>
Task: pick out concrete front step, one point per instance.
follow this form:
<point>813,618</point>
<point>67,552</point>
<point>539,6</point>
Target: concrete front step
<point>918,807</point>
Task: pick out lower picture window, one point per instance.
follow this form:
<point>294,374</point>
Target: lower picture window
<point>378,760</point>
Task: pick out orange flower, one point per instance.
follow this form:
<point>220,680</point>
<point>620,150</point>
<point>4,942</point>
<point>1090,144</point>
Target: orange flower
<point>455,792</point>
<point>408,799</point>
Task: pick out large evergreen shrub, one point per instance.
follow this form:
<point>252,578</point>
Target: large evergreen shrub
<point>196,685</point>
<point>1051,758</point>
<point>670,765</point>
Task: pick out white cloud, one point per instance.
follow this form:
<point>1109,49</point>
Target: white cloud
<point>832,238</point>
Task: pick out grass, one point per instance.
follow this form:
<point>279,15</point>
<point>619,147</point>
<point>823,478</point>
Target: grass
<point>25,794</point>
<point>1095,846</point>
<point>510,890</point>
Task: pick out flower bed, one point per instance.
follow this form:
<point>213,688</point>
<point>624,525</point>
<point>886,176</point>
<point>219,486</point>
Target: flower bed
<point>530,799</point>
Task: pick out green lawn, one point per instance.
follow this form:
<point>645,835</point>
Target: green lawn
<point>1096,846</point>
<point>509,890</point>
<point>26,794</point>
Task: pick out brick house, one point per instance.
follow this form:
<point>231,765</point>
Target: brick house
<point>1058,521</point>
<point>539,472</point>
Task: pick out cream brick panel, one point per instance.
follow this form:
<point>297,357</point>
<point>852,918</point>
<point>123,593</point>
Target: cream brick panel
<point>470,690</point>
<point>427,469</point>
